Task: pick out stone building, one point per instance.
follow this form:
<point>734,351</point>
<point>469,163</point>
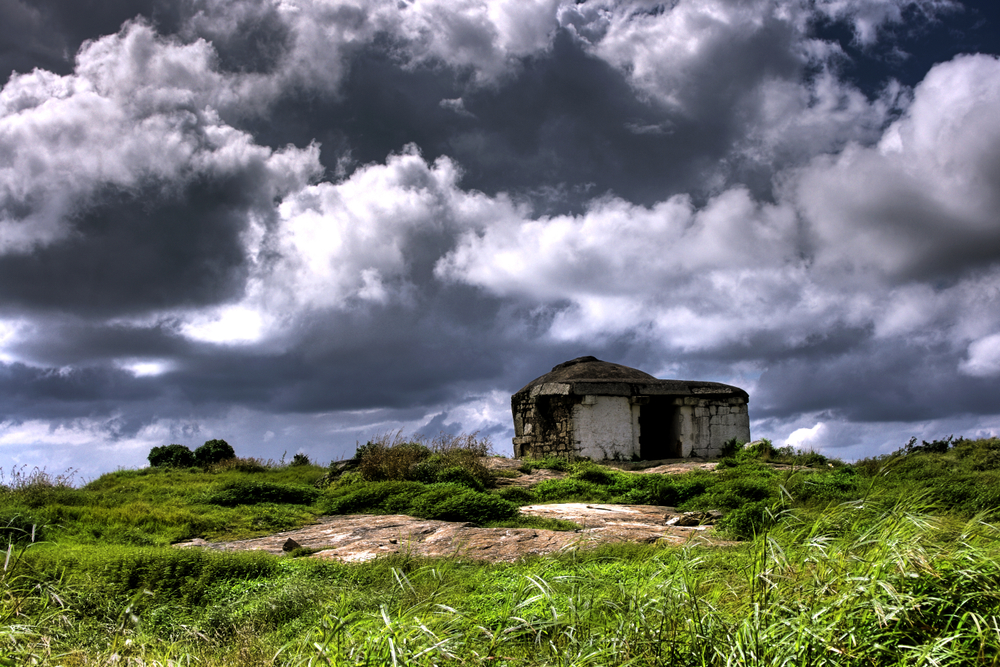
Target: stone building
<point>599,410</point>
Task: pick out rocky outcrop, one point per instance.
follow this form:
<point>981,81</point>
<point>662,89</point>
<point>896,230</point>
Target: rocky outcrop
<point>354,538</point>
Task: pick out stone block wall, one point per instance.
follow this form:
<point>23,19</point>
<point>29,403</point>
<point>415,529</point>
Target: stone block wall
<point>706,424</point>
<point>543,426</point>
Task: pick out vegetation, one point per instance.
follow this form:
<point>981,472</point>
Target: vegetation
<point>446,459</point>
<point>173,456</point>
<point>893,560</point>
<point>213,451</point>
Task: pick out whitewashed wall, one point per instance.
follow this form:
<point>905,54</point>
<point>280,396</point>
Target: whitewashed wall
<point>603,428</point>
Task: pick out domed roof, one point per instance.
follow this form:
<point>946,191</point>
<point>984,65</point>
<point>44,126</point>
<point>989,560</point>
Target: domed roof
<point>591,368</point>
<point>590,375</point>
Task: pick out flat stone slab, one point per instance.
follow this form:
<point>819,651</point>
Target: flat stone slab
<point>362,537</point>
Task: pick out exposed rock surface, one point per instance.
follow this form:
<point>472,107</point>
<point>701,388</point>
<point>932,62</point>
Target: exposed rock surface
<point>661,467</point>
<point>364,537</point>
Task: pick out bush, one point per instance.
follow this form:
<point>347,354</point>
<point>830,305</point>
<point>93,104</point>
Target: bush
<point>446,502</point>
<point>384,459</point>
<point>731,447</point>
<point>748,520</point>
<point>665,490</point>
<point>458,475</point>
<point>438,468</point>
<point>978,455</point>
<point>252,492</point>
<point>448,458</point>
<point>300,460</point>
<point>172,456</point>
<point>738,487</point>
<point>361,496</point>
<point>572,490</point>
<point>182,575</point>
<point>591,472</point>
<point>213,451</point>
<point>451,502</point>
<point>517,495</point>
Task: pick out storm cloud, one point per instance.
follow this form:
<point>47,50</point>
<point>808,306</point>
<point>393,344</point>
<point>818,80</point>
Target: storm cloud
<point>293,225</point>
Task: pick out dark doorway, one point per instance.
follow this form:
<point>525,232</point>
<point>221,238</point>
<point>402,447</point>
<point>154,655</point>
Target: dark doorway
<point>658,429</point>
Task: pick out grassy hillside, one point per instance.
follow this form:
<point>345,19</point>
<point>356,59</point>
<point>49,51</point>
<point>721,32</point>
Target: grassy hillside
<point>887,561</point>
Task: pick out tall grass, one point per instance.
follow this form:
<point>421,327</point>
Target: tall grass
<point>873,583</point>
<point>847,589</point>
<point>444,459</point>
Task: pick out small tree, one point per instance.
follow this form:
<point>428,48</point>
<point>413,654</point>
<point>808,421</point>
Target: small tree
<point>175,456</point>
<point>214,451</point>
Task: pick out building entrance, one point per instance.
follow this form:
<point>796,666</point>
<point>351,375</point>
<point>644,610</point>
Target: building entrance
<point>658,436</point>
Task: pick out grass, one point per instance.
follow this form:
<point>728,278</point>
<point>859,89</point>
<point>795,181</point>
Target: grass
<point>156,507</point>
<point>889,561</point>
<point>859,585</point>
<point>893,594</point>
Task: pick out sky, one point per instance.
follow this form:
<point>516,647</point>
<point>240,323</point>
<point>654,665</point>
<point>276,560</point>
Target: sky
<point>296,224</point>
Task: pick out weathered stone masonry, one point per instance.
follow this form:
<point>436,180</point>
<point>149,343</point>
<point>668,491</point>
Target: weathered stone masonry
<point>592,408</point>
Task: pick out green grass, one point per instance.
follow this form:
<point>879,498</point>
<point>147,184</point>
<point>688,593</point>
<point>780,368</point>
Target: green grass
<point>880,584</point>
<point>151,506</point>
<point>889,561</point>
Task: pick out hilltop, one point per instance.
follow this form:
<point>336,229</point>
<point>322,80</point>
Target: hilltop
<point>877,562</point>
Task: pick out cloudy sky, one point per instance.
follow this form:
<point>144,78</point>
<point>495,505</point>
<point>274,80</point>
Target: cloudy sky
<point>293,224</point>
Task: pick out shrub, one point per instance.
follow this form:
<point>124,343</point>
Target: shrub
<point>447,459</point>
<point>183,575</point>
<point>252,492</point>
<point>300,460</point>
<point>451,502</point>
<point>730,447</point>
<point>741,486</point>
<point>362,496</point>
<point>811,459</point>
<point>570,490</point>
<point>933,447</point>
<point>517,495</point>
<point>591,472</point>
<point>665,490</point>
<point>762,450</point>
<point>172,456</point>
<point>213,451</point>
<point>446,502</point>
<point>388,458</point>
<point>978,455</point>
<point>748,520</point>
<point>38,488</point>
<point>458,475</point>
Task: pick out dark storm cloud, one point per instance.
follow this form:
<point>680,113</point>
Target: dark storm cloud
<point>54,393</point>
<point>137,250</point>
<point>566,119</point>
<point>873,382</point>
<point>47,33</point>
